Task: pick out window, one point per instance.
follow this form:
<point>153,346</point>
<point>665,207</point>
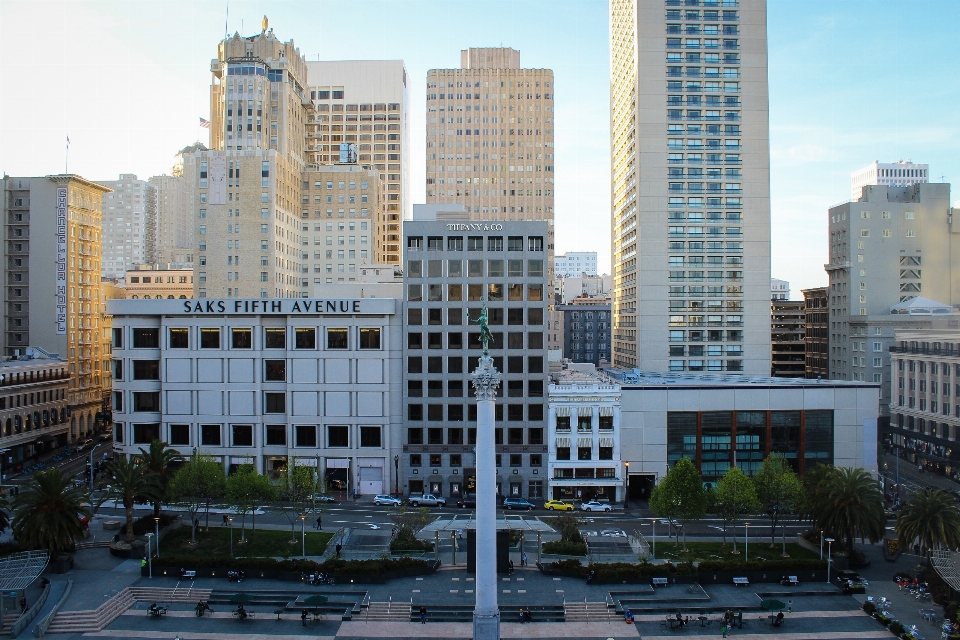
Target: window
<point>370,338</point>
<point>275,338</point>
<point>275,402</point>
<point>241,338</point>
<point>180,434</point>
<point>146,338</point>
<point>146,369</point>
<point>337,436</point>
<point>179,338</point>
<point>146,401</point>
<point>336,338</point>
<point>210,435</point>
<point>243,435</point>
<point>370,437</point>
<point>306,435</point>
<point>276,435</point>
<point>305,338</point>
<point>117,333</point>
<point>210,338</point>
<point>145,433</point>
<point>275,370</point>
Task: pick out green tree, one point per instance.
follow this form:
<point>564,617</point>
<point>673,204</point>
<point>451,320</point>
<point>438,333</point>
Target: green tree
<point>195,486</point>
<point>246,489</point>
<point>816,485</point>
<point>735,496</point>
<point>778,490</point>
<point>158,459</point>
<point>680,495</point>
<point>294,491</point>
<point>854,507</point>
<point>47,510</point>
<point>130,482</point>
<point>4,512</point>
<point>932,518</point>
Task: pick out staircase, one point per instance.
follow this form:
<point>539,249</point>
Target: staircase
<point>398,612</point>
<point>93,544</point>
<point>591,612</point>
<point>166,596</point>
<point>97,619</point>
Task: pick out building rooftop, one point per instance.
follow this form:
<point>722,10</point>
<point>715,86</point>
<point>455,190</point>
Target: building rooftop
<point>635,377</point>
<point>920,306</point>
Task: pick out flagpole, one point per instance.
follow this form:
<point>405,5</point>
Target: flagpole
<point>66,157</point>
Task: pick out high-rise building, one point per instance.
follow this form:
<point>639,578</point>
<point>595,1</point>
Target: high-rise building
<point>889,247</point>
<point>575,263</point>
<point>787,347</point>
<point>129,224</point>
<point>891,174</point>
<point>690,185</point>
<point>52,298</point>
<point>816,332</point>
<point>586,332</point>
<point>361,119</point>
<point>175,226</point>
<point>490,138</point>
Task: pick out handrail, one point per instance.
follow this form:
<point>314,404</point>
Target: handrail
<point>42,626</point>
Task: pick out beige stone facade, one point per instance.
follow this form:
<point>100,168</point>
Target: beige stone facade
<point>174,221</point>
<point>129,224</point>
<point>52,298</point>
<point>156,284</point>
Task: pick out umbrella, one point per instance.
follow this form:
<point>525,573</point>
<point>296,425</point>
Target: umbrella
<point>772,604</point>
<point>238,598</point>
<point>315,600</point>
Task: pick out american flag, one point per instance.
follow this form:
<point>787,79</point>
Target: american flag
<point>205,124</point>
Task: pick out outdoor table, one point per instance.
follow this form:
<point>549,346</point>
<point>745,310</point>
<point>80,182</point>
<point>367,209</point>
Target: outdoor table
<point>278,612</point>
<point>317,615</point>
<point>773,620</point>
<point>703,620</point>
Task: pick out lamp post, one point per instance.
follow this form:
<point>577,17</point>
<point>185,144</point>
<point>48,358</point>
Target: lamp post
<point>653,553</point>
<point>746,541</point>
<point>396,475</point>
<point>156,527</point>
<point>149,555</point>
<point>829,558</point>
<point>885,477</point>
<point>229,526</point>
<point>303,538</point>
<point>821,544</point>
<point>626,476</point>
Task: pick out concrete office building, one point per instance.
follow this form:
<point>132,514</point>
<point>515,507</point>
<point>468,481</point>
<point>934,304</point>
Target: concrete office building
<point>364,103</point>
<point>566,289</point>
<point>779,289</point>
<point>667,416</point>
<point>174,220</point>
<point>52,298</point>
<point>450,268</point>
<point>129,224</point>
<point>816,333</point>
<point>788,348</point>
<point>584,410</point>
<point>586,332</point>
<point>273,383</point>
<point>690,185</point>
<point>925,412</point>
<point>34,390</point>
<point>892,174</point>
<point>575,263</point>
<point>490,138</point>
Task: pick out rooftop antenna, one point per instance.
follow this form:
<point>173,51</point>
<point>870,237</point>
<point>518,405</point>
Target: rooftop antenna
<point>226,22</point>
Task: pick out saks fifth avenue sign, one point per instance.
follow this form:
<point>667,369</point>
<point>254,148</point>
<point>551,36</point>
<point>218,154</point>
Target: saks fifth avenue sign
<point>254,306</point>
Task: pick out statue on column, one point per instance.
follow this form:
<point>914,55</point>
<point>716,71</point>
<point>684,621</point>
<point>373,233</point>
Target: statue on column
<point>485,335</point>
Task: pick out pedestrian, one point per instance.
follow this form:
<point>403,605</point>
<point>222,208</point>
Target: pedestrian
<point>224,519</point>
<point>423,615</point>
<point>523,618</point>
<point>23,603</point>
<point>510,570</point>
<point>789,606</point>
<point>523,559</point>
<point>303,617</point>
<point>319,522</point>
<point>338,548</point>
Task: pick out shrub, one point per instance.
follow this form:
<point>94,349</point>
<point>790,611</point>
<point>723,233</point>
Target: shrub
<point>896,628</point>
<point>145,524</point>
<point>9,548</point>
<point>333,565</point>
<point>407,541</point>
<point>869,608</point>
<point>565,548</point>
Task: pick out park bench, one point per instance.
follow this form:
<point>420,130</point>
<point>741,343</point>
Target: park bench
<point>741,581</point>
<point>188,574</point>
<point>790,581</point>
<point>658,582</point>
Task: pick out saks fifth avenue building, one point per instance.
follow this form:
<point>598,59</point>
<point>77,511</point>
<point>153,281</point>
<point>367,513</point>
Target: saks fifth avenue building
<point>268,382</point>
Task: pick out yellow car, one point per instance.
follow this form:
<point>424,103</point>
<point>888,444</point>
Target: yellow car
<point>559,505</point>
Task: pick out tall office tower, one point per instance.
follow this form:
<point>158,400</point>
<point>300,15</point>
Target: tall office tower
<point>690,185</point>
<point>175,214</point>
<point>361,119</point>
<point>247,187</point>
<point>787,347</point>
<point>575,263</point>
<point>129,224</point>
<point>339,228</point>
<point>816,332</point>
<point>892,174</point>
<point>490,142</point>
<point>52,299</point>
<point>892,246</point>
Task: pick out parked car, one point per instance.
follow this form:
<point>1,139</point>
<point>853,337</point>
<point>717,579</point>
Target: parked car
<point>320,497</point>
<point>588,533</point>
<point>426,500</point>
<point>463,503</point>
<point>517,503</point>
<point>614,533</point>
<point>559,505</point>
<point>387,501</point>
<point>594,505</point>
<point>86,444</point>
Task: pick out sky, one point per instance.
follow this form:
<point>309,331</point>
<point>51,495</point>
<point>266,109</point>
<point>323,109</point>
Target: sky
<point>850,82</point>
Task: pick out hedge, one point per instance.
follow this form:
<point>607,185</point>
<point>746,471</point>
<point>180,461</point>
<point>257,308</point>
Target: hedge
<point>565,548</point>
<point>333,565</point>
<point>146,524</point>
<point>619,571</point>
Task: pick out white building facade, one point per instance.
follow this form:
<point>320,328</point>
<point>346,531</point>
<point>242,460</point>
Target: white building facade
<point>892,174</point>
<point>575,263</point>
<point>129,225</point>
<point>272,383</point>
<point>779,289</point>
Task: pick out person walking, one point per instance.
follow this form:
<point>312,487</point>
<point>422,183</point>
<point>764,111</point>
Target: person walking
<point>338,549</point>
<point>23,603</point>
<point>423,615</point>
<point>303,617</point>
<point>789,606</point>
<point>319,522</point>
<point>523,559</point>
<point>510,569</point>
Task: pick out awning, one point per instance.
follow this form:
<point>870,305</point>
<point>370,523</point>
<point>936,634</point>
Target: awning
<point>563,412</point>
<point>606,442</point>
<point>585,412</point>
<point>584,443</point>
<point>606,411</point>
<point>563,443</point>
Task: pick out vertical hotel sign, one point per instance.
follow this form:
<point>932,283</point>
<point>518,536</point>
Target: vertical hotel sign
<point>61,261</point>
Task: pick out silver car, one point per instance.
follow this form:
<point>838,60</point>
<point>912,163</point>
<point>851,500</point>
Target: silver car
<point>594,505</point>
<point>386,501</point>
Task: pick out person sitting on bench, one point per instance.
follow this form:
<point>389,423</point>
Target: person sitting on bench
<point>628,616</point>
<point>241,612</point>
<point>779,619</point>
<point>154,610</point>
<point>680,620</point>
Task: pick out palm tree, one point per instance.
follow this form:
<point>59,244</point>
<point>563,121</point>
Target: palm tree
<point>816,483</point>
<point>158,460</point>
<point>931,517</point>
<point>853,507</point>
<point>131,481</point>
<point>47,512</point>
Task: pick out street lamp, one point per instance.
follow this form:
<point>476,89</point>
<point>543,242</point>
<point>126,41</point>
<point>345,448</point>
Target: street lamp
<point>229,523</point>
<point>829,558</point>
<point>654,552</point>
<point>303,539</point>
<point>626,475</point>
<point>156,527</point>
<point>821,544</point>
<point>746,541</point>
<point>149,555</point>
<point>396,475</point>
<point>885,466</point>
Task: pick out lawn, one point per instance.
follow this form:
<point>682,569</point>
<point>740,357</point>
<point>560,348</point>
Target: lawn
<point>259,544</point>
<point>759,550</point>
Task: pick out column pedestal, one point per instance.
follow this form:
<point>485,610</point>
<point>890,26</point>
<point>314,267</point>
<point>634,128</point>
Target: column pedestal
<point>486,614</point>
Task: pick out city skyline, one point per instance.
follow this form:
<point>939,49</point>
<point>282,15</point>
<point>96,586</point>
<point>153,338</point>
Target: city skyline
<point>838,99</point>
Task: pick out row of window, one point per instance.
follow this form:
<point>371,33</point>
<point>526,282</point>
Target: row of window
<point>474,243</point>
<point>475,268</point>
<point>27,399</point>
<point>456,460</point>
<point>455,413</point>
<point>242,337</point>
<point>149,401</point>
<point>454,435</point>
<point>242,435</point>
<point>273,371</point>
<point>492,292</point>
<point>455,341</point>
<point>460,388</point>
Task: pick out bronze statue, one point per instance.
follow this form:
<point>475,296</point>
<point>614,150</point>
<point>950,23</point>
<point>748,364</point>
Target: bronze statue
<point>485,335</point>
